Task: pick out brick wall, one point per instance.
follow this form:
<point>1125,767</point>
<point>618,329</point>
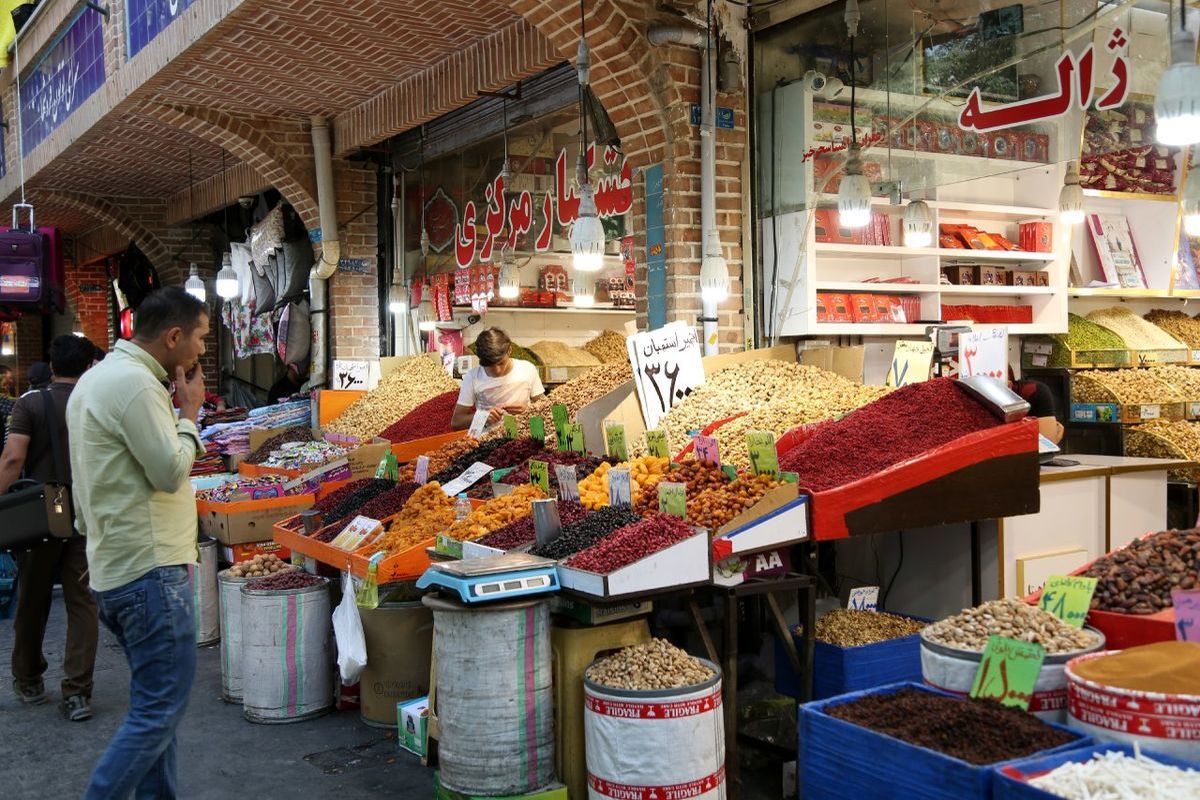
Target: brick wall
<point>354,297</point>
<point>88,293</point>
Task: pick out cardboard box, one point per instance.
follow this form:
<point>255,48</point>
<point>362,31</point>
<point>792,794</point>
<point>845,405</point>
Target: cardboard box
<point>237,553</point>
<point>779,518</point>
<point>845,361</point>
<point>1031,277</point>
<point>1037,236</point>
<point>412,725</point>
<point>589,614</point>
<point>736,570</point>
<point>250,520</point>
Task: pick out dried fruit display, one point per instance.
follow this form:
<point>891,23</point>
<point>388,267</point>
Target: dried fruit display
<point>574,394</point>
<point>440,458</point>
<point>496,513</point>
<point>260,566</point>
<point>585,532</point>
<point>1138,578</point>
<point>431,418</point>
<point>1184,380</point>
<point>1137,332</point>
<point>480,452</point>
<point>632,543</point>
<point>644,475</point>
<point>1160,438</point>
<point>843,627</point>
<point>428,512</point>
<point>716,507</point>
<point>521,532</point>
<point>1013,618</point>
<point>696,477</point>
<point>1178,324</point>
<point>264,450</point>
<point>411,383</point>
<point>282,581</point>
<point>557,354</point>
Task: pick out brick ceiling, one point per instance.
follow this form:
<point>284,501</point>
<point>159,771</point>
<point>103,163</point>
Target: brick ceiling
<point>290,58</point>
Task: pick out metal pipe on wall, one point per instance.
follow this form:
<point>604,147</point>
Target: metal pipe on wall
<point>326,265</point>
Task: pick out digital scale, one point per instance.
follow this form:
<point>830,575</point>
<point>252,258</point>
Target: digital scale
<point>502,577</point>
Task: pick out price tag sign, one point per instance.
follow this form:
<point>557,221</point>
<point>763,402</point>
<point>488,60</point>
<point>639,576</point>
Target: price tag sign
<point>763,460</point>
<point>1151,412</point>
<point>707,451</point>
<point>573,436</point>
<point>539,474</point>
<point>656,443</point>
<point>537,428</point>
<point>789,477</point>
<point>910,362</point>
<point>422,471</point>
<point>614,440</point>
<point>351,375</point>
<point>1187,612</point>
<point>1008,671</point>
<point>983,353</point>
<point>559,413</point>
<point>619,488</point>
<point>863,598</point>
<point>672,498</point>
<point>568,484</point>
<point>467,479</point>
<point>730,471</point>
<point>667,367</point>
<point>1068,597</point>
<point>510,426</point>
<point>479,424</point>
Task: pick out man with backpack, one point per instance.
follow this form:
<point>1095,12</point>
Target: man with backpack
<point>29,450</point>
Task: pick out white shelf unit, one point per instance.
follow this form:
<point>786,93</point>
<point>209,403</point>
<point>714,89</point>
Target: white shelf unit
<point>993,195</point>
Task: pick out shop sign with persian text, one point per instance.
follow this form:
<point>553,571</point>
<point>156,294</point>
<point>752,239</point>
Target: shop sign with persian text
<point>148,18</point>
<point>63,78</point>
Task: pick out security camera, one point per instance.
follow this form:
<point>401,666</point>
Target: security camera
<point>814,81</point>
<point>822,86</point>
<point>246,201</point>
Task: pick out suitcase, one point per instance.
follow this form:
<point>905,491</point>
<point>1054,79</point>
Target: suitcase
<point>22,262</point>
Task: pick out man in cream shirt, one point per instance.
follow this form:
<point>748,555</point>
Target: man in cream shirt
<point>130,461</point>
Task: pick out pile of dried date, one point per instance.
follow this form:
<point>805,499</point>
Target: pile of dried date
<point>1138,578</point>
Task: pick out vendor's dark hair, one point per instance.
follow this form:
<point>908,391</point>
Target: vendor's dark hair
<point>492,346</point>
<point>164,309</point>
<point>71,355</point>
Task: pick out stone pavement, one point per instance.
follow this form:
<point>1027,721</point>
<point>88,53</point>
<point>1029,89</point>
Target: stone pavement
<point>221,755</point>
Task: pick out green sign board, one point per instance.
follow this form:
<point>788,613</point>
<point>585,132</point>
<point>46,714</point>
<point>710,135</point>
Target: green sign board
<point>614,439</point>
<point>1008,672</point>
<point>672,498</point>
<point>656,443</point>
<point>510,426</point>
<point>539,474</point>
<point>1068,597</point>
<point>763,460</point>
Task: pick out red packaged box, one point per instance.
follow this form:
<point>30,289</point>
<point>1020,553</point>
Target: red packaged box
<point>829,231</point>
<point>862,308</point>
<point>1037,236</point>
<point>926,136</point>
<point>837,306</point>
<point>948,138</point>
<point>822,311</point>
<point>1005,145</point>
<point>1004,242</point>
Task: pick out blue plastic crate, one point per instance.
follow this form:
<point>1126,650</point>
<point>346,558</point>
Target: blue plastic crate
<point>843,761</point>
<point>1009,783</point>
<point>838,670</point>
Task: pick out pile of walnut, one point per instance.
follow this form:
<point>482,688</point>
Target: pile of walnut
<point>260,566</point>
<point>657,664</point>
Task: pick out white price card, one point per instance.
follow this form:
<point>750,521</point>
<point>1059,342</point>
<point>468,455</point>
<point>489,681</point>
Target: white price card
<point>1151,412</point>
<point>667,367</point>
<point>479,424</point>
<point>619,488</point>
<point>467,479</point>
<point>983,353</point>
<point>351,374</point>
<point>568,483</point>
<point>863,598</point>
<point>422,470</point>
<point>910,362</point>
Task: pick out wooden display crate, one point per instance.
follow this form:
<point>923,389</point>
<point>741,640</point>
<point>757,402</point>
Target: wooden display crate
<point>403,566</point>
<point>409,451</point>
<point>1049,352</point>
<point>683,564</point>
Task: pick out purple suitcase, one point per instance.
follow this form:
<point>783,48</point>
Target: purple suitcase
<point>22,261</point>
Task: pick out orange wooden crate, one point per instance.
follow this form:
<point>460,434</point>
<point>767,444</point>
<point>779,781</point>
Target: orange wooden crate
<point>406,565</point>
<point>408,451</point>
<point>332,402</point>
<point>258,470</point>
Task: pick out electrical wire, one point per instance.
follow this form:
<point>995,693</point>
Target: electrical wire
<point>583,130</point>
<point>888,590</point>
<point>853,98</point>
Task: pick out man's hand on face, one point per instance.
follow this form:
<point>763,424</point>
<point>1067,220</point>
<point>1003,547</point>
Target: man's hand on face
<point>189,391</point>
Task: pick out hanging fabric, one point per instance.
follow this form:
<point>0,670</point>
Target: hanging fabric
<point>251,333</point>
<point>266,236</point>
<point>240,258</point>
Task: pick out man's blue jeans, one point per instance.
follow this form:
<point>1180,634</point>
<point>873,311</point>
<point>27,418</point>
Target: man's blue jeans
<point>153,619</point>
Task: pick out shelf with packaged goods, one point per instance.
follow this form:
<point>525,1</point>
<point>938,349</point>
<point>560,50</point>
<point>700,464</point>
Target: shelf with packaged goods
<point>956,209</point>
<point>930,288</point>
<point>596,309</point>
<point>892,252</point>
<point>1134,294</point>
<point>913,328</point>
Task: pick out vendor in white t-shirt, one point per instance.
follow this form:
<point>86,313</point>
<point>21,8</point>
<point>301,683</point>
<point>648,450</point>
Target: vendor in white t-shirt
<point>499,385</point>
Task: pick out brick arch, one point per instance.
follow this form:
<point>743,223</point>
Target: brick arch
<point>629,75</point>
<point>251,146</point>
<point>111,214</point>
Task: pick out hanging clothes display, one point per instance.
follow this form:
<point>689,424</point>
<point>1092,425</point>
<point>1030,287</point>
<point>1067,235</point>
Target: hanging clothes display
<point>251,333</point>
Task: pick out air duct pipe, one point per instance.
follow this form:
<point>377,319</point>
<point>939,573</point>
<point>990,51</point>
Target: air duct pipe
<point>331,250</point>
<point>709,238</point>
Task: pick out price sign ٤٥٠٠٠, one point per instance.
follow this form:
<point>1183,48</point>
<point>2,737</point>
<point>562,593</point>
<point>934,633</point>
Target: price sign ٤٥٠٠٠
<point>1068,597</point>
<point>1008,672</point>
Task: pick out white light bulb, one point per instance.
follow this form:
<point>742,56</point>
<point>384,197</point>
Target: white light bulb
<point>397,299</point>
<point>918,224</point>
<point>714,271</point>
<point>1070,198</point>
<point>584,292</point>
<point>587,233</point>
<point>1191,203</point>
<point>854,194</point>
<point>227,279</point>
<point>1177,100</point>
<point>427,317</point>
<point>509,282</point>
<point>194,285</point>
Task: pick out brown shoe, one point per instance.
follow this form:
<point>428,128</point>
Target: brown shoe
<point>76,708</point>
<point>32,695</point>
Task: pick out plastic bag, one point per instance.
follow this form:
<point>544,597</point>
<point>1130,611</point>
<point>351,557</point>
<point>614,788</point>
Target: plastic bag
<point>348,630</point>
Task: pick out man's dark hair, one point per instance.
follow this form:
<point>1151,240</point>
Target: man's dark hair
<point>164,309</point>
<point>492,346</point>
<point>71,355</point>
<point>38,376</point>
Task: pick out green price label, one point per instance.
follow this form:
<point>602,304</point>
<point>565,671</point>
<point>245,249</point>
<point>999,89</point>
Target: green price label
<point>763,460</point>
<point>537,428</point>
<point>1008,672</point>
<point>539,474</point>
<point>510,426</point>
<point>573,434</point>
<point>730,471</point>
<point>614,438</point>
<point>789,477</point>
<point>672,498</point>
<point>1068,597</point>
<point>559,412</point>
<point>656,443</point>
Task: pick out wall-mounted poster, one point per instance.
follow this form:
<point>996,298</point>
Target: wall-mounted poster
<point>1116,251</point>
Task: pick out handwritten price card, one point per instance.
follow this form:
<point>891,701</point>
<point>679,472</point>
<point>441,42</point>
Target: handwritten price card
<point>568,484</point>
<point>614,439</point>
<point>1008,671</point>
<point>619,488</point>
<point>666,368</point>
<point>1187,612</point>
<point>537,428</point>
<point>672,498</point>
<point>763,460</point>
<point>559,413</point>
<point>863,598</point>
<point>510,426</point>
<point>478,424</point>
<point>1068,598</point>
<point>656,443</point>
<point>573,433</point>
<point>707,451</point>
<point>910,362</point>
<point>422,471</point>
<point>983,353</point>
<point>539,474</point>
